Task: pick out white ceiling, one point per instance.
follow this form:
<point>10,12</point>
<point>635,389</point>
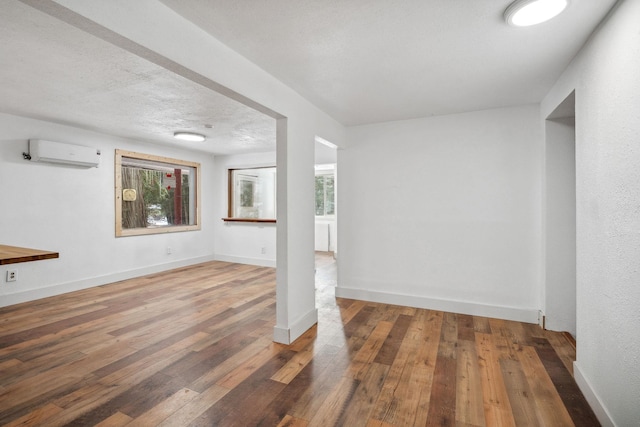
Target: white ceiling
<point>361,61</point>
<point>367,61</point>
<point>54,71</point>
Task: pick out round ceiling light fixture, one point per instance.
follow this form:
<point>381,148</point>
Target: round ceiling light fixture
<point>189,136</point>
<point>523,13</point>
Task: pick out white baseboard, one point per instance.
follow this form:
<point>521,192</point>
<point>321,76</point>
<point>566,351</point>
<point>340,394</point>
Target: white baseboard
<point>592,397</point>
<point>527,315</point>
<point>281,335</point>
<point>63,288</point>
<point>284,335</point>
<point>245,260</point>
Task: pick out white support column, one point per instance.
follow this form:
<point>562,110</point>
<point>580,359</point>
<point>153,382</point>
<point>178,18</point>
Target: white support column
<point>296,311</point>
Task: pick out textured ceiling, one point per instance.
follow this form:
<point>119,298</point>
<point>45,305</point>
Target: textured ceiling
<point>56,72</point>
<point>366,61</point>
<point>361,61</point>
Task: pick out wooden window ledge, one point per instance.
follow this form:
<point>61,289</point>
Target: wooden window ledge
<point>14,254</point>
<point>259,220</point>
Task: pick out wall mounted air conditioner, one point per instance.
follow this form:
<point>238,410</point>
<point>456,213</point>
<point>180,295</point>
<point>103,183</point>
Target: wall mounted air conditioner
<point>41,150</point>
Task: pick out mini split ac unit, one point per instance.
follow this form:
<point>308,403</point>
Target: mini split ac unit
<point>57,152</point>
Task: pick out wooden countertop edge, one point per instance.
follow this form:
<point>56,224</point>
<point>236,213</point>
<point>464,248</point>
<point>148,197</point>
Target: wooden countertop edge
<point>15,254</point>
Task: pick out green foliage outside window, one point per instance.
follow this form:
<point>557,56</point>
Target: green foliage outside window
<point>154,193</point>
<point>325,195</point>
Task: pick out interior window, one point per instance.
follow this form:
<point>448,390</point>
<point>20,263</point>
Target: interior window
<point>155,194</point>
<point>252,194</point>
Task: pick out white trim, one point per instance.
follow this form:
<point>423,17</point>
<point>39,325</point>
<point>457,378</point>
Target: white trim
<point>325,142</point>
<point>289,335</point>
<point>245,260</point>
<point>592,397</point>
<point>301,325</point>
<point>281,335</point>
<point>527,315</point>
<point>63,288</point>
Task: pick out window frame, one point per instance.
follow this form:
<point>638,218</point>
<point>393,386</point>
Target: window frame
<point>324,174</point>
<point>231,196</point>
<point>123,232</point>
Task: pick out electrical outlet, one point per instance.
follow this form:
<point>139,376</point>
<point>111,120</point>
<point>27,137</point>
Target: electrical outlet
<point>168,250</point>
<point>263,250</point>
<point>12,275</point>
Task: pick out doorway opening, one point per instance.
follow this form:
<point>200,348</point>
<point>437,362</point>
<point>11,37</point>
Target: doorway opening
<point>560,218</point>
<point>326,215</point>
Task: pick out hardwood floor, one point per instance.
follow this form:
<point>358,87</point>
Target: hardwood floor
<point>192,347</point>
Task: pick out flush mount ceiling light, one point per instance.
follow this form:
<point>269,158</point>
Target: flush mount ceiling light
<point>522,13</point>
<point>189,136</point>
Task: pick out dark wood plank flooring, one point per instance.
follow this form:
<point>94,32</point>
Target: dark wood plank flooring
<point>192,347</point>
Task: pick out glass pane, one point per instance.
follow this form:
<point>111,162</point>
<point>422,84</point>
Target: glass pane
<point>330,196</point>
<point>319,195</point>
<point>155,194</point>
<point>253,193</point>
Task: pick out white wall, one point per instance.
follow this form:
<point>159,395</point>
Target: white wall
<point>443,213</point>
<point>239,241</point>
<point>605,78</point>
<point>560,226</point>
<point>325,155</point>
<point>72,211</point>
